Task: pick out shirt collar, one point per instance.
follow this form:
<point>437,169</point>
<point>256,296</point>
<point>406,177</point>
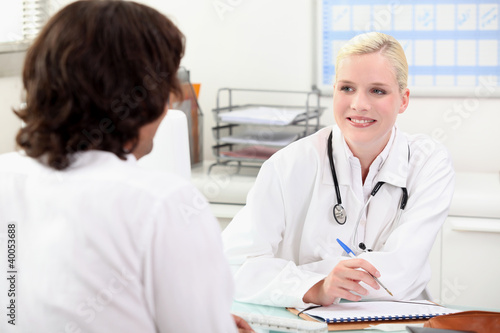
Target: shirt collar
<point>96,157</point>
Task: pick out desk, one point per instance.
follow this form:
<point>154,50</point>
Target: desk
<point>264,310</point>
<point>276,312</point>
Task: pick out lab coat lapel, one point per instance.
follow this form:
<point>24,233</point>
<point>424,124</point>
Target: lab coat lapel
<point>396,167</point>
<point>384,206</point>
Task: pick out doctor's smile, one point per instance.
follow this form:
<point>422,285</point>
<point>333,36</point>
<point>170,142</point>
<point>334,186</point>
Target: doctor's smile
<point>361,121</point>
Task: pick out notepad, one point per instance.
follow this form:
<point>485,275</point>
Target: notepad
<point>350,312</point>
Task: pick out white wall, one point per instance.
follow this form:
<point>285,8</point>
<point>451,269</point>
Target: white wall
<point>10,96</point>
<point>268,44</point>
<point>467,126</point>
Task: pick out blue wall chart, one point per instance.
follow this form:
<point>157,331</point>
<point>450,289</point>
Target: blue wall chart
<point>452,46</point>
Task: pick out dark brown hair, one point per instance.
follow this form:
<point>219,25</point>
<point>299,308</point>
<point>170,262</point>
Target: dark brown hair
<point>98,71</point>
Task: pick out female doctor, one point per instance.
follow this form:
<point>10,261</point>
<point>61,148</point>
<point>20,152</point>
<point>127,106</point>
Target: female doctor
<point>282,246</point>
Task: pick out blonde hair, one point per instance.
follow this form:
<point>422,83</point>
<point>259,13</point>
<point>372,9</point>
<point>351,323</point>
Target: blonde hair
<point>371,42</point>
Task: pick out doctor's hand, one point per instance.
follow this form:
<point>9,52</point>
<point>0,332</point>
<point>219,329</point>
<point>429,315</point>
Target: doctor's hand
<point>344,279</point>
<point>242,325</point>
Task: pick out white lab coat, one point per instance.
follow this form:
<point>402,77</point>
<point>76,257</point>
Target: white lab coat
<point>284,240</point>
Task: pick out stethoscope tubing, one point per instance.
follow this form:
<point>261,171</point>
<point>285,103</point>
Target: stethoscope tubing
<point>338,209</point>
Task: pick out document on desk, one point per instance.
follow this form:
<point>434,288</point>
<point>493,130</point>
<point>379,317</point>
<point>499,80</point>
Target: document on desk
<point>348,312</point>
<point>262,137</point>
<point>265,116</point>
<point>251,153</point>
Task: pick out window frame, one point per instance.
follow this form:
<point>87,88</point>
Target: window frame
<point>12,54</point>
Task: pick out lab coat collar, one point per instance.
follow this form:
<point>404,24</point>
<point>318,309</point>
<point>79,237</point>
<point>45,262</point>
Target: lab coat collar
<point>396,167</point>
<point>394,170</point>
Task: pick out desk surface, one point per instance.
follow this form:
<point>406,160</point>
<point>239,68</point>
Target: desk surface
<point>273,312</point>
<point>264,310</point>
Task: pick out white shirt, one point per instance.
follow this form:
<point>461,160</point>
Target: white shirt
<point>284,240</point>
<point>106,246</point>
<point>361,189</point>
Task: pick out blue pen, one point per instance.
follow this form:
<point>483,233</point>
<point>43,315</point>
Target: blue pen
<point>352,255</point>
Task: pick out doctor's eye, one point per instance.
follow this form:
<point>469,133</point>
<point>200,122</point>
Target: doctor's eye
<point>346,89</point>
<point>379,91</point>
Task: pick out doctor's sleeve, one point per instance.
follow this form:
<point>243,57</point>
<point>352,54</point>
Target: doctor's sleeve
<point>252,241</point>
<point>403,259</point>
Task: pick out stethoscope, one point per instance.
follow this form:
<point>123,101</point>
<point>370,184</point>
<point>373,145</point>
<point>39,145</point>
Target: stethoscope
<point>339,213</point>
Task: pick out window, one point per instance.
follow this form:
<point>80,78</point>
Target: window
<point>20,22</point>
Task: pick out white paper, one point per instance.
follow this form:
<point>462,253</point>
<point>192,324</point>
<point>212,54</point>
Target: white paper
<point>268,138</point>
<point>264,116</point>
<point>380,310</point>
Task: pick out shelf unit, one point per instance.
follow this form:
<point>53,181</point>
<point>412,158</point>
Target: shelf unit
<point>249,133</point>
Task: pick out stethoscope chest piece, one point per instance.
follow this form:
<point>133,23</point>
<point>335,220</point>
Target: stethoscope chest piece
<point>339,214</point>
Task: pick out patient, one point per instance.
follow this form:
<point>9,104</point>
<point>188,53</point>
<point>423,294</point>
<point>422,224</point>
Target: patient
<point>102,245</point>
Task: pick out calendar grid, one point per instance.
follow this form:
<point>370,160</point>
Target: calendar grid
<point>448,43</point>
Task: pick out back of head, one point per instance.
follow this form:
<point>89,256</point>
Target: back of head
<point>371,42</point>
<point>98,71</point>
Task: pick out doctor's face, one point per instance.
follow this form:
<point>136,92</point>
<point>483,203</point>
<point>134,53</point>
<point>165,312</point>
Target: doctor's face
<point>367,100</point>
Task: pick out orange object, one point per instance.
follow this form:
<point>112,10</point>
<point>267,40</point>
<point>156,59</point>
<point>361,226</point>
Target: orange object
<point>196,87</point>
<point>190,93</point>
